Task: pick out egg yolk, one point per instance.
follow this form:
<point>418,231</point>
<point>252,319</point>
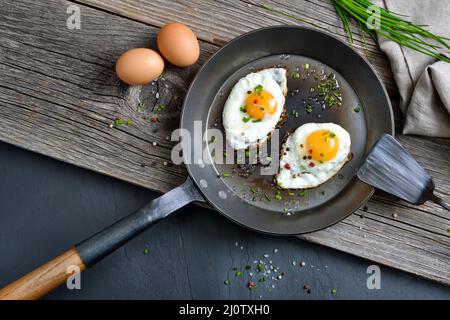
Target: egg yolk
<point>322,145</point>
<point>260,103</point>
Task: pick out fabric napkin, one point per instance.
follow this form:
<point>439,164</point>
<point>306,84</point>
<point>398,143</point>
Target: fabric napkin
<point>423,82</point>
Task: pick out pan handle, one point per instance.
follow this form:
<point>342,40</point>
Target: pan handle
<point>88,252</point>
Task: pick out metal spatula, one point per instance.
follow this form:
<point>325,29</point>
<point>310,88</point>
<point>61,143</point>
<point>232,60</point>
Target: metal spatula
<point>389,167</point>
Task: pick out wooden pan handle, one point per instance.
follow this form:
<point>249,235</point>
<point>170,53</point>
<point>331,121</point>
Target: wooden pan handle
<point>43,279</point>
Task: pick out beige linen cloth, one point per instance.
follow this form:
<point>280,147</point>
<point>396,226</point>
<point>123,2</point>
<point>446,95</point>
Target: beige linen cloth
<point>423,82</point>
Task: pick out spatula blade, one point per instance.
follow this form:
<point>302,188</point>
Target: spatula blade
<point>389,167</point>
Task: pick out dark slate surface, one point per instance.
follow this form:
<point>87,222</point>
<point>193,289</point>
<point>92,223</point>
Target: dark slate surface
<point>47,206</point>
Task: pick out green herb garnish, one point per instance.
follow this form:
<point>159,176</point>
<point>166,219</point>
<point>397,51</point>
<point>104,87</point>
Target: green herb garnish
<point>129,122</point>
<point>247,153</point>
<point>260,267</point>
<point>146,251</point>
<point>245,119</point>
<point>270,8</point>
<point>267,197</point>
<point>278,195</point>
<point>119,122</point>
<point>226,174</point>
<point>238,274</point>
<point>302,193</point>
<point>160,108</point>
<point>258,89</point>
<point>295,75</point>
<point>357,109</point>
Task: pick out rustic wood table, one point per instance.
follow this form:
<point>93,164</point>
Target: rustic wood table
<point>59,93</point>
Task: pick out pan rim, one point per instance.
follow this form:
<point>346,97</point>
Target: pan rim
<point>189,167</point>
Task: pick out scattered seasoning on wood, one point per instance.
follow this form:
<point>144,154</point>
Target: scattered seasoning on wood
<point>333,291</point>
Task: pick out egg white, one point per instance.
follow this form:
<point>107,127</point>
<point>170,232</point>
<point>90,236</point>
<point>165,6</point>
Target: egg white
<point>300,175</point>
<point>240,134</point>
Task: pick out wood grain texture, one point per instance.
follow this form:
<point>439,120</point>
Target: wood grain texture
<point>44,279</point>
<point>59,93</point>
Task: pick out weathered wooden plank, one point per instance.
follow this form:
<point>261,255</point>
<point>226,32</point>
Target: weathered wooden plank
<point>219,21</point>
<point>59,93</point>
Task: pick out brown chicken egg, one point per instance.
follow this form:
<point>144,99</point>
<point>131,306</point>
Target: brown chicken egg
<point>178,44</point>
<point>139,66</point>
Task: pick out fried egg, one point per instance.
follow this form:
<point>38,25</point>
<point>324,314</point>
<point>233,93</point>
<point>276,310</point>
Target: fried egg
<point>312,155</point>
<point>254,107</point>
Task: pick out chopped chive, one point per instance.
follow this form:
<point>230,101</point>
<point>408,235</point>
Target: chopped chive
<point>278,196</point>
<point>226,174</point>
<point>302,193</point>
<point>119,122</point>
<point>129,122</point>
<point>247,153</point>
<point>245,119</point>
<point>253,190</point>
<point>295,75</point>
<point>146,251</point>
<point>333,291</point>
<point>161,108</point>
<point>258,89</point>
<point>357,109</point>
<point>285,210</point>
<point>213,138</point>
<point>306,66</point>
<point>267,197</point>
<point>291,194</point>
<point>256,120</point>
<point>260,267</point>
<point>238,274</point>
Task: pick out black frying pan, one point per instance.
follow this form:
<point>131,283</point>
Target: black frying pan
<point>287,46</point>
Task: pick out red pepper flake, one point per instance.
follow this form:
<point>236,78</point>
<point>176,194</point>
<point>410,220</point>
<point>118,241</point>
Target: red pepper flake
<point>311,164</point>
<point>251,284</point>
<point>310,151</point>
<point>255,101</point>
<point>287,166</point>
<point>154,119</point>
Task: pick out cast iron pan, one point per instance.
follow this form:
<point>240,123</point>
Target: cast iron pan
<point>285,46</point>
